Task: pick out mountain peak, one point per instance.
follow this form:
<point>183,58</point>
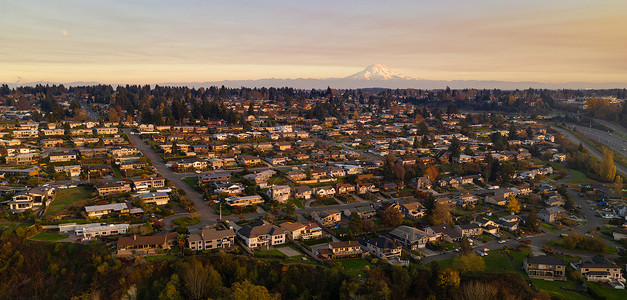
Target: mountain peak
<point>378,72</point>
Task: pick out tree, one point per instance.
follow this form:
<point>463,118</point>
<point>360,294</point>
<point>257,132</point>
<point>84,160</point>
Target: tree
<point>618,184</point>
<point>248,291</point>
<point>440,214</point>
<point>477,290</point>
<point>200,280</point>
<point>608,169</point>
<point>513,206</point>
<point>449,279</point>
<point>454,149</point>
<point>392,217</point>
<point>356,224</point>
<point>171,290</point>
<point>465,247</point>
<point>532,220</point>
<point>431,173</point>
<point>290,208</point>
<point>469,263</point>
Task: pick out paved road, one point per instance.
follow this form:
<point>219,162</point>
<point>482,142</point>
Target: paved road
<point>207,216</point>
<point>540,240</point>
<point>575,139</point>
<point>617,128</point>
<point>611,140</point>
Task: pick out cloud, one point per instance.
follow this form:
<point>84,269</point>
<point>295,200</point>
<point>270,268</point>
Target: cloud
<point>64,32</point>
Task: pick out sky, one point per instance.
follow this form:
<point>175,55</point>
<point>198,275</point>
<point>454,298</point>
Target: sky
<point>148,42</point>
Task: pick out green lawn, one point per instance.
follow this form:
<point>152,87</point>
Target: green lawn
<point>191,181</point>
<point>297,202</point>
<point>186,221</point>
<point>47,236</point>
<point>579,177</point>
<point>353,267</point>
<point>64,198</point>
<point>548,226</point>
<point>272,252</point>
<point>556,288</point>
<point>160,257</point>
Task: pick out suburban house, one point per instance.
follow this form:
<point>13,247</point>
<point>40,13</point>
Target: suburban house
<point>211,238</point>
<point>341,250</point>
<point>249,160</point>
<point>74,170</point>
<point>34,197</point>
<point>598,268</point>
<point>145,244</point>
<point>229,188</point>
<point>509,222</point>
<point>244,200</point>
<point>551,214</point>
<point>469,230</point>
<point>344,188</point>
<point>110,188</point>
<point>487,224</point>
<point>302,192</point>
<point>325,191</point>
<point>296,175</point>
<point>545,267</point>
<point>279,193</point>
<point>413,210</point>
<point>619,233</point>
<point>275,159</point>
<point>89,232</point>
<point>215,176</point>
<point>444,233</point>
<point>261,234</point>
<point>105,130</point>
<point>148,183</point>
<point>298,231</point>
<point>62,156</point>
<point>382,247</point>
<point>327,217</point>
<point>421,183</point>
<point>412,238</point>
<point>96,211</point>
<point>157,198</point>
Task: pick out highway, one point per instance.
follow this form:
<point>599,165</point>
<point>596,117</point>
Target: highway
<point>610,140</point>
<point>594,152</point>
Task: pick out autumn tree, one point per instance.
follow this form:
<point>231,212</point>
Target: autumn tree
<point>392,217</point>
<point>513,206</point>
<point>608,169</point>
<point>465,247</point>
<point>200,280</point>
<point>356,225</point>
<point>469,263</point>
<point>618,184</point>
<point>431,173</point>
<point>439,214</point>
<point>477,290</point>
<point>448,279</point>
<point>248,291</point>
<point>532,220</point>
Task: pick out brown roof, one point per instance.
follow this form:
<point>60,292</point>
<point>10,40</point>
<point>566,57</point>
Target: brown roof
<point>214,234</point>
<point>292,226</point>
<point>150,240</point>
<point>344,244</point>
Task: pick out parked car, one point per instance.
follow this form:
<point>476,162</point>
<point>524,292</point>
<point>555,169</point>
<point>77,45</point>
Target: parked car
<point>501,241</point>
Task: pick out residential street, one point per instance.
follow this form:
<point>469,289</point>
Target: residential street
<point>207,216</point>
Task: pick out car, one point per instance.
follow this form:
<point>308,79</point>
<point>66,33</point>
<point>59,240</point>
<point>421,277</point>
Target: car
<point>501,241</point>
<point>591,208</point>
<point>580,195</point>
<point>198,172</point>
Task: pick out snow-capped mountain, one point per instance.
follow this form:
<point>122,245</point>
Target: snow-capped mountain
<point>378,72</point>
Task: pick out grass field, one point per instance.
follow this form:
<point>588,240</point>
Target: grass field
<point>63,199</point>
<point>579,177</point>
<point>354,267</point>
<point>297,202</point>
<point>47,236</point>
<point>160,257</point>
<point>191,181</point>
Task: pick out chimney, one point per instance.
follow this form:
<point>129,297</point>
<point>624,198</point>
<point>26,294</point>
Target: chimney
<point>134,237</point>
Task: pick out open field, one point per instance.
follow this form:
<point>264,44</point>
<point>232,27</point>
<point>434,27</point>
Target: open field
<point>63,199</point>
<point>51,237</point>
